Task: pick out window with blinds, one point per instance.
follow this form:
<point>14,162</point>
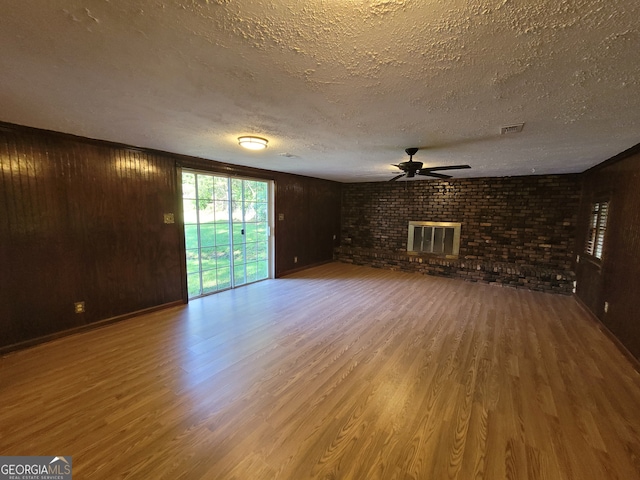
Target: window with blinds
<point>597,226</point>
<point>434,237</point>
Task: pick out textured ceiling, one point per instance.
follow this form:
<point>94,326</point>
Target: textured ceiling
<point>339,87</point>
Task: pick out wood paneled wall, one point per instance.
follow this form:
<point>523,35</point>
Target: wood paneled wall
<point>308,223</point>
<point>615,279</point>
<point>83,220</point>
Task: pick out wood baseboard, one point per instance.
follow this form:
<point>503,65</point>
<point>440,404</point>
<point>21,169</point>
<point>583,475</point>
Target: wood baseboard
<point>71,331</point>
<point>305,267</point>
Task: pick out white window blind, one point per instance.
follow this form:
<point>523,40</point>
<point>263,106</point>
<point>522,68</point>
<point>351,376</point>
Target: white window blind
<point>597,227</point>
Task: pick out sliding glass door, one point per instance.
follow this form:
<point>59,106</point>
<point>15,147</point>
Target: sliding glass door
<point>226,227</point>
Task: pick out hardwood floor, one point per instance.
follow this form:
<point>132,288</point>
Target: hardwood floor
<point>338,372</point>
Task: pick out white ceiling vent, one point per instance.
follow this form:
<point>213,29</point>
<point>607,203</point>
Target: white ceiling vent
<point>517,128</point>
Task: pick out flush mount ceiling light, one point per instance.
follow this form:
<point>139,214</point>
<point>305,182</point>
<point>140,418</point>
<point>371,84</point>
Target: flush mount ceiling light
<point>253,143</point>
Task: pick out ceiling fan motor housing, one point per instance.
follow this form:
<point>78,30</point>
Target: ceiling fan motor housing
<point>410,166</point>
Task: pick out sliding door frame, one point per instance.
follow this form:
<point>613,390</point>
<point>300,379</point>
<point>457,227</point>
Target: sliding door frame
<point>270,226</point>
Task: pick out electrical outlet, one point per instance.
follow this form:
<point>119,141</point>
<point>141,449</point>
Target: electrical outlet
<point>295,259</point>
<point>78,307</point>
<point>606,307</point>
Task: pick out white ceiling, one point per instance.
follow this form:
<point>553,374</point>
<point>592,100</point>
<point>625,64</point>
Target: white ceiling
<point>339,87</point>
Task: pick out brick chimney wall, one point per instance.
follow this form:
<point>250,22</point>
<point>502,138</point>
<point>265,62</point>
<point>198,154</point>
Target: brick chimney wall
<point>514,224</point>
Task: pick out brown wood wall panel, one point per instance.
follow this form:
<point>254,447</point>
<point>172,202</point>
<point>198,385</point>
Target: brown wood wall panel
<point>36,261</point>
<point>616,279</point>
<point>83,221</point>
<point>589,285</point>
<point>291,226</point>
<point>325,229</point>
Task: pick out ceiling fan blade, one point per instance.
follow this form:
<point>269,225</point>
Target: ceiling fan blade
<point>428,173</point>
<point>397,177</point>
<point>449,167</point>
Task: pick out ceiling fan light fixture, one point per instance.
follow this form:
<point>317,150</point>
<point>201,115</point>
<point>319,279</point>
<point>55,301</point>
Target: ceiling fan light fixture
<point>253,143</point>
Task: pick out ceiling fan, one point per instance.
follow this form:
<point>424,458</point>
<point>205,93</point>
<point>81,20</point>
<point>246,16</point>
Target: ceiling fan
<point>410,169</point>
